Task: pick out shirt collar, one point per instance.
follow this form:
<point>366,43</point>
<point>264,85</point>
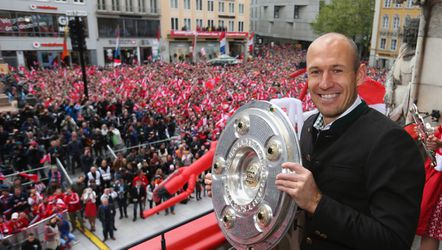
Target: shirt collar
<point>319,123</point>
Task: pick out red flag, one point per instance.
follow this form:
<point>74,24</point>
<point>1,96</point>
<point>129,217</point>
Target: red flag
<point>303,91</point>
<point>210,84</point>
<point>65,52</point>
<point>250,42</point>
<point>372,92</point>
<point>46,158</point>
<point>32,177</point>
<point>297,73</point>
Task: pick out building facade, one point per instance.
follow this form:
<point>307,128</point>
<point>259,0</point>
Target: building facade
<point>388,30</point>
<point>284,20</point>
<point>133,24</point>
<point>191,29</point>
<point>32,32</point>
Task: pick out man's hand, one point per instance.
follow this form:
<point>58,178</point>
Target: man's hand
<point>300,185</point>
<point>208,182</point>
<point>433,143</point>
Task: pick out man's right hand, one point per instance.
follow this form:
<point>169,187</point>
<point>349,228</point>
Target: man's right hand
<point>208,182</point>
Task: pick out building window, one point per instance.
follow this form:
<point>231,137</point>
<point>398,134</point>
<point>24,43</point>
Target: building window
<point>78,1</point>
<point>210,23</point>
<point>221,23</point>
<point>187,24</point>
<point>116,5</point>
<point>153,6</point>
<point>174,23</point>
<point>187,4</point>
<point>241,8</point>
<point>231,7</point>
<point>174,4</point>
<point>410,3</point>
<point>296,11</point>
<point>199,23</point>
<point>129,27</point>
<point>407,20</point>
<point>385,22</point>
<point>276,11</point>
<point>241,26</point>
<point>141,6</point>
<point>393,44</point>
<point>220,6</point>
<point>231,26</point>
<point>398,5</point>
<point>383,42</point>
<point>129,5</point>
<point>199,4</point>
<point>210,5</point>
<point>101,4</point>
<point>387,3</point>
<point>396,22</point>
<point>61,1</point>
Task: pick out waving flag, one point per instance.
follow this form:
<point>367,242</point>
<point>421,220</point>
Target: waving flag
<point>372,92</point>
<point>65,52</point>
<point>223,42</point>
<point>250,42</point>
<point>117,54</point>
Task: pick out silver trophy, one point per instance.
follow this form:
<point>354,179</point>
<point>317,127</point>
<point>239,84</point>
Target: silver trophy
<point>251,211</point>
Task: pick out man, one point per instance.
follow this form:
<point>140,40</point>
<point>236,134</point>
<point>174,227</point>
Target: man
<point>72,201</point>
<point>138,194</point>
<point>362,176</point>
<point>31,243</point>
<point>110,195</point>
<point>106,215</point>
<point>75,148</point>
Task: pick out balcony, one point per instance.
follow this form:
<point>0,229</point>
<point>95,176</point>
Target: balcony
<point>109,9</point>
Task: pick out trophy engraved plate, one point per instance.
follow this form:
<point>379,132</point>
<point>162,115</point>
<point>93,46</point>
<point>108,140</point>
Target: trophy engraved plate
<point>251,211</point>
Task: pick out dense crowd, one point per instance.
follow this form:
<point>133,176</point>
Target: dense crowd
<point>173,110</point>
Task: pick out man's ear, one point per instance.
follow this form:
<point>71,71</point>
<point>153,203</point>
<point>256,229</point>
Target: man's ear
<point>361,74</point>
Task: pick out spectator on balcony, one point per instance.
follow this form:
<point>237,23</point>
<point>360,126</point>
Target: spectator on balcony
<point>31,243</point>
<point>72,200</point>
<point>106,216</point>
<point>19,200</point>
<point>90,211</point>
<point>105,172</point>
<point>52,234</point>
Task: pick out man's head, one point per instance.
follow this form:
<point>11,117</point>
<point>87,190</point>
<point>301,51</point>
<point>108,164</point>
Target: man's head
<point>334,70</point>
<point>31,237</point>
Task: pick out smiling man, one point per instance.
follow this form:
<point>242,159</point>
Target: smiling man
<point>361,177</point>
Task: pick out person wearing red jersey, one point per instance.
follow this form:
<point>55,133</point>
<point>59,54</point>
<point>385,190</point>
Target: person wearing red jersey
<point>72,200</point>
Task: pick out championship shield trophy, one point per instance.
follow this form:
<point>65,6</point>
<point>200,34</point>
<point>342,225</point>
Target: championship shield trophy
<point>251,212</point>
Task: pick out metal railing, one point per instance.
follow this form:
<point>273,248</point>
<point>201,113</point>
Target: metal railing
<point>60,166</point>
<point>142,145</point>
<point>63,169</point>
<point>164,231</point>
<point>15,240</point>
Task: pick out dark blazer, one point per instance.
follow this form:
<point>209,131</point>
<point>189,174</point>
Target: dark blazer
<point>137,197</point>
<point>371,175</point>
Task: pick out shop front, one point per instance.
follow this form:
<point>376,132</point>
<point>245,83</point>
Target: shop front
<point>131,51</point>
<point>194,46</point>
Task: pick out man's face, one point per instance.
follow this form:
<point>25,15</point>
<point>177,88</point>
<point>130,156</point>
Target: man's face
<point>332,80</point>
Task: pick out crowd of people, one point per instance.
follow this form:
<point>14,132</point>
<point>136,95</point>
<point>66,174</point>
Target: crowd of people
<point>173,110</point>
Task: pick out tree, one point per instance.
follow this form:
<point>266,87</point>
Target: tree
<point>351,18</point>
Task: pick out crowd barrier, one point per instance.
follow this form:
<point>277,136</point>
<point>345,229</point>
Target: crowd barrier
<point>15,240</point>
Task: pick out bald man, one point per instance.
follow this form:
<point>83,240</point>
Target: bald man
<point>361,178</point>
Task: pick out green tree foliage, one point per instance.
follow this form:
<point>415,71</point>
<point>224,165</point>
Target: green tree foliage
<point>354,18</point>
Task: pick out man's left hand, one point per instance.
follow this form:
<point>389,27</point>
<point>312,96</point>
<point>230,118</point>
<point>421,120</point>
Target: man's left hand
<point>300,185</point>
